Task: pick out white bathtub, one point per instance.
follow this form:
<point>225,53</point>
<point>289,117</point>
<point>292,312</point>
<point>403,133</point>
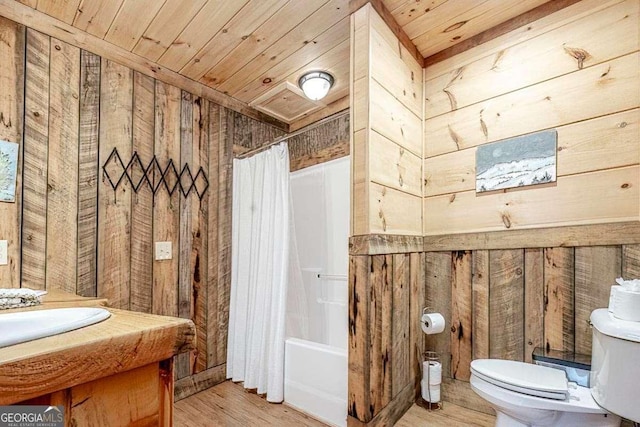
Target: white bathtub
<point>315,380</point>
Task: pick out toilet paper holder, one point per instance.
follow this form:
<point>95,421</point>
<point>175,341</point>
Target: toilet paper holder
<point>431,321</point>
<point>431,369</point>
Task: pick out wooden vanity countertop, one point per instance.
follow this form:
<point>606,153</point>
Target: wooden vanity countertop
<point>125,341</point>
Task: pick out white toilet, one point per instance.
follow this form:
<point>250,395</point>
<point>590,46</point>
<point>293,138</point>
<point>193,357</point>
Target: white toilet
<point>524,394</point>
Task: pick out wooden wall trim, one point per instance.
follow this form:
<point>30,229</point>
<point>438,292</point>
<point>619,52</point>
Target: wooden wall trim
<point>617,233</point>
<point>391,22</point>
<point>575,235</point>
<point>196,383</point>
<point>492,33</point>
<point>337,151</point>
<point>321,142</point>
<point>379,244</point>
<point>39,21</point>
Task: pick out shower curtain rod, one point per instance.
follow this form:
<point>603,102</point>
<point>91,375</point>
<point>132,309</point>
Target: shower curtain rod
<point>292,134</point>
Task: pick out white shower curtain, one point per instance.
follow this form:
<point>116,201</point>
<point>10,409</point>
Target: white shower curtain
<point>260,269</point>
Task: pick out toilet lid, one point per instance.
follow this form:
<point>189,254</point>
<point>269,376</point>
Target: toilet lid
<point>522,377</point>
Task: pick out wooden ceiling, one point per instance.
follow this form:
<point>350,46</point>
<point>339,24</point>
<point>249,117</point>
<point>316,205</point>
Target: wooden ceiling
<point>250,49</point>
<point>435,25</point>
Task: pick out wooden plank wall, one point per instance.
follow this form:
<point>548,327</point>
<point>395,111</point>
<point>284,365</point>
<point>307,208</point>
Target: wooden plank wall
<point>387,116</point>
<point>248,134</point>
<point>385,346</point>
<point>515,300</point>
<point>576,71</point>
<point>79,235</point>
<point>319,144</point>
<point>11,129</point>
<point>571,71</point>
<point>314,144</point>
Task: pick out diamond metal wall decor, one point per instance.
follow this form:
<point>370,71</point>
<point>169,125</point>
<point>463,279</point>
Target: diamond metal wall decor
<point>114,172</point>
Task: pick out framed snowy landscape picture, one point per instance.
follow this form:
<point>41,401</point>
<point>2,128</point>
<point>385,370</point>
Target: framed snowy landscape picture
<point>8,170</point>
<point>517,162</point>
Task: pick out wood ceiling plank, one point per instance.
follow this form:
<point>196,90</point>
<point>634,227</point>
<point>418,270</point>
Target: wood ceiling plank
<point>532,24</point>
<point>30,3</point>
<point>239,28</point>
<point>324,29</point>
<point>410,10</point>
<point>335,62</point>
<point>304,59</point>
<point>32,18</point>
<point>472,22</point>
<point>172,18</point>
<point>335,96</point>
<point>269,33</point>
<point>132,20</point>
<point>285,105</point>
<point>288,104</point>
<point>206,24</point>
<point>392,5</point>
<point>447,13</point>
<point>64,10</point>
<point>332,108</point>
<point>95,16</point>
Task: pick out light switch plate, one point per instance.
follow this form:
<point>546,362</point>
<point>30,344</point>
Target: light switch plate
<point>163,251</point>
<point>3,252</point>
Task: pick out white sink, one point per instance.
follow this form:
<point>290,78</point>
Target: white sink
<point>16,328</point>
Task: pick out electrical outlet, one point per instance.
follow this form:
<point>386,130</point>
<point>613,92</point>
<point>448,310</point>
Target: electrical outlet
<point>163,251</point>
<point>3,253</point>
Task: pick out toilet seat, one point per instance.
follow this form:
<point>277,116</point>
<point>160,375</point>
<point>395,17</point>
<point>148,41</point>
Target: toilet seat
<point>579,400</point>
<point>534,380</point>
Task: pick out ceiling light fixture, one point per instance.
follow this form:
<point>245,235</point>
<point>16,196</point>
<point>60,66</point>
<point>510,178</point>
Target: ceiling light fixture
<point>316,84</point>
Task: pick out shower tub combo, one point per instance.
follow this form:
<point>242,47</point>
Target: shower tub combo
<point>316,354</point>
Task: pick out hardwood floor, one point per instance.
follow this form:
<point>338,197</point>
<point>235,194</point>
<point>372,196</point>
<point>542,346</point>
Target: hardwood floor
<point>228,404</point>
<point>450,416</point>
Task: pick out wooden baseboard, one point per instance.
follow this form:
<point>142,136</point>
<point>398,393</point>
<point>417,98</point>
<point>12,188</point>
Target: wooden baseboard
<point>391,413</point>
<point>201,381</point>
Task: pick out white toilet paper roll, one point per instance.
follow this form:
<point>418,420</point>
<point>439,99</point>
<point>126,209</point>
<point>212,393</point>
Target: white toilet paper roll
<point>432,372</point>
<point>612,297</point>
<point>430,393</point>
<point>626,305</point>
<point>432,323</point>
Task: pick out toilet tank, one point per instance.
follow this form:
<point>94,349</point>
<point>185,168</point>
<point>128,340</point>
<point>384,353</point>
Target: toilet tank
<point>615,369</point>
